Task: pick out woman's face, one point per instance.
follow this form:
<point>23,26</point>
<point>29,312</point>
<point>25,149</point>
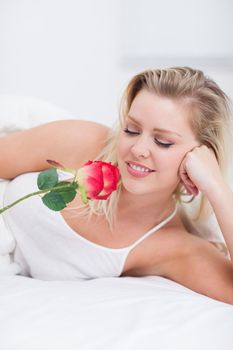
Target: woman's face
<point>161,136</point>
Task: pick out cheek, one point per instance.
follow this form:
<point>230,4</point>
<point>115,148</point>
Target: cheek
<point>170,161</point>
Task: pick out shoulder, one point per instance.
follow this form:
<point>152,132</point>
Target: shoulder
<point>75,127</point>
<point>79,140</point>
<point>69,130</point>
<point>78,123</point>
<point>200,266</point>
<point>70,142</point>
<point>155,253</point>
<point>75,140</point>
<point>179,245</point>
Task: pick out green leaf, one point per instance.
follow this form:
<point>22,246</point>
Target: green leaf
<point>72,185</point>
<point>47,179</point>
<point>68,195</point>
<point>54,201</point>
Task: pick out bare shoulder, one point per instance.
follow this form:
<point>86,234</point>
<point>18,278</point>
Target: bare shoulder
<point>67,141</point>
<point>74,138</point>
<point>152,256</point>
<point>74,125</point>
<point>199,265</point>
<point>189,260</point>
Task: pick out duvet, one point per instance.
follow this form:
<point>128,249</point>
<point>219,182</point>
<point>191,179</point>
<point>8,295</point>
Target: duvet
<point>110,313</point>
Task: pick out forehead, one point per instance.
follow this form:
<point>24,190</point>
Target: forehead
<point>160,112</point>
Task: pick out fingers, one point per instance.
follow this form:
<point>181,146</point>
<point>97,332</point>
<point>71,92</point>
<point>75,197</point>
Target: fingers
<point>189,186</point>
<point>197,165</point>
<point>186,181</point>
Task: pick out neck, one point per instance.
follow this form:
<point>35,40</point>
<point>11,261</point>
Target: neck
<point>153,207</point>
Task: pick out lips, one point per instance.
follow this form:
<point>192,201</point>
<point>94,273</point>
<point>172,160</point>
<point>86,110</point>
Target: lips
<point>138,164</point>
<point>137,173</point>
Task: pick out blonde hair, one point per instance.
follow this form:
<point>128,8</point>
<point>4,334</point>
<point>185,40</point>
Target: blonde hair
<point>210,121</point>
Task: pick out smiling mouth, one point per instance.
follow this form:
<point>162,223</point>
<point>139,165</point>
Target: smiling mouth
<point>139,169</point>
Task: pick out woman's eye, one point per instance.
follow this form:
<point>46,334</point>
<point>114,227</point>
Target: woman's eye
<point>131,132</point>
<point>161,144</point>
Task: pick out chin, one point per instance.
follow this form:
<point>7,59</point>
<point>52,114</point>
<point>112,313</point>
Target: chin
<point>135,187</point>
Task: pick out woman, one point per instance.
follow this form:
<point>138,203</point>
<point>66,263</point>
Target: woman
<point>172,135</point>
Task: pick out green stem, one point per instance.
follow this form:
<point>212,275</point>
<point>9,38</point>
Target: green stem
<point>52,189</point>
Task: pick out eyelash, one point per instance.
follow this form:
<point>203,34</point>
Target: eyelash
<point>164,145</point>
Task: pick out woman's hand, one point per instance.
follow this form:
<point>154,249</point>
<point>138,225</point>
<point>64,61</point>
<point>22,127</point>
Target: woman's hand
<point>199,171</point>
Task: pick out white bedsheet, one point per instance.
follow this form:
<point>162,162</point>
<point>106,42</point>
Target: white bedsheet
<point>110,313</point>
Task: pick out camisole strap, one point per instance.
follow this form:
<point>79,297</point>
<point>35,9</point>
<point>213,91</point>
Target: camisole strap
<point>155,228</point>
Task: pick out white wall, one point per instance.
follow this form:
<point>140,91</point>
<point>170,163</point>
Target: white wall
<point>79,54</point>
<point>61,51</point>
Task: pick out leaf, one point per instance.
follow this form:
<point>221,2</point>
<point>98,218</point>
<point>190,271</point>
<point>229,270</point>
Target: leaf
<point>47,179</point>
<point>54,201</point>
<point>67,194</point>
<point>72,185</point>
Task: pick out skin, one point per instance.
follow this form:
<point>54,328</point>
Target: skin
<point>155,190</point>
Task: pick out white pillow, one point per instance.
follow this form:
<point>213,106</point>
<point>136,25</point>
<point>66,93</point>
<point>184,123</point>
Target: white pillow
<point>24,112</point>
<point>7,242</point>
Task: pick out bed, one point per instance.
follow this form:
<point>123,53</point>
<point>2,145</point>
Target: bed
<point>108,313</point>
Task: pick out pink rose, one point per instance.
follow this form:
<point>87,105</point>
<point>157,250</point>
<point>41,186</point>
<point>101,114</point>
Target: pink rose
<point>95,180</point>
<point>98,179</point>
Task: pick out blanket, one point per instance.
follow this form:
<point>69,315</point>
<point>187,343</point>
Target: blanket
<point>128,313</point>
<point>7,242</point>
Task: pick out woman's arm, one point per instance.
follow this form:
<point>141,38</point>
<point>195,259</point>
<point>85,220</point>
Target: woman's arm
<point>203,268</point>
<point>221,200</point>
<point>202,170</point>
<point>70,142</point>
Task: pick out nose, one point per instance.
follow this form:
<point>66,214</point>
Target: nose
<point>141,147</point>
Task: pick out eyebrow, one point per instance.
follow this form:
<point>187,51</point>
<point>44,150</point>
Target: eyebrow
<point>155,129</point>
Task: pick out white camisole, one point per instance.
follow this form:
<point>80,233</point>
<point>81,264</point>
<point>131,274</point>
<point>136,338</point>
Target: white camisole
<point>48,248</point>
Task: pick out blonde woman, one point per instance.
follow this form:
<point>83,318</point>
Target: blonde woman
<point>171,141</point>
